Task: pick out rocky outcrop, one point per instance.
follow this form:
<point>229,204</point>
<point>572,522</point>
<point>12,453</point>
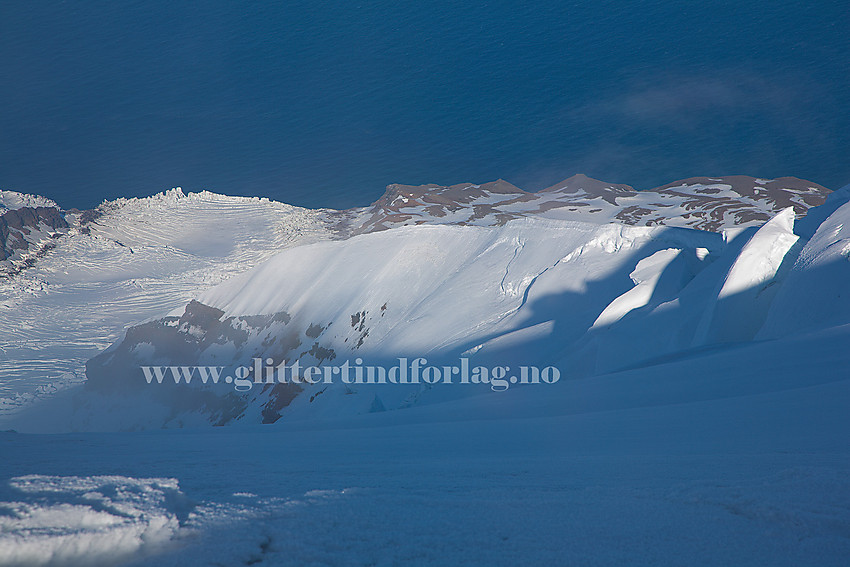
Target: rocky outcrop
<point>204,337</point>
<point>27,233</point>
<point>704,203</point>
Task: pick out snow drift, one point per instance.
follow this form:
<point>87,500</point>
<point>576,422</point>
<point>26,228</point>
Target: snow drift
<point>95,520</point>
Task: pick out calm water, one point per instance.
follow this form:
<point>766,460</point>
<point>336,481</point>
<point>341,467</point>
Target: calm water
<point>324,105</point>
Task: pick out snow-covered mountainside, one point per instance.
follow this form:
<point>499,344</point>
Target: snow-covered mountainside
<point>394,294</point>
<point>138,259</point>
<point>529,288</point>
<point>700,416</point>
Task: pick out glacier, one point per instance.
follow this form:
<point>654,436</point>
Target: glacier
<point>700,331</point>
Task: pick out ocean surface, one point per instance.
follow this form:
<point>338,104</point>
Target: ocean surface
<point>325,103</point>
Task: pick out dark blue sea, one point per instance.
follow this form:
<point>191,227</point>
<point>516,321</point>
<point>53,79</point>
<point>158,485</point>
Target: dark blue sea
<point>325,103</point>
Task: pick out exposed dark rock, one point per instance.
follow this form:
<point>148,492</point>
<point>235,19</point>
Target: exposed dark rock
<point>313,331</point>
<point>17,224</point>
<point>715,203</point>
<point>280,396</point>
<point>204,337</point>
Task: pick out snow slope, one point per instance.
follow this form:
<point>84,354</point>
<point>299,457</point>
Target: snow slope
<point>437,292</point>
<point>137,259</point>
<point>588,299</point>
<point>816,293</point>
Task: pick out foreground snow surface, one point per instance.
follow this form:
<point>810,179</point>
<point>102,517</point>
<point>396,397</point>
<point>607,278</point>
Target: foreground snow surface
<point>699,461</point>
